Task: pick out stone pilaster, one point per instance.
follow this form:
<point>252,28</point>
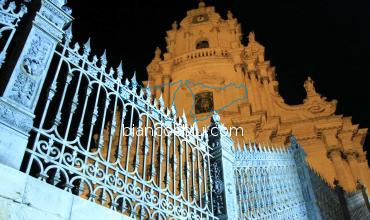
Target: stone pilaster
<point>345,179</point>
<point>222,171</point>
<point>257,99</point>
<point>351,158</point>
<point>270,104</point>
<point>20,97</point>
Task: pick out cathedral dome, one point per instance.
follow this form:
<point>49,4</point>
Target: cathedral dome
<point>203,28</point>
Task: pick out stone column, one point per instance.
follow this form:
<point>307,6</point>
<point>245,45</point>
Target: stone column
<point>258,106</point>
<point>157,87</point>
<point>335,155</point>
<point>222,172</point>
<point>18,102</point>
<point>270,104</point>
<point>251,100</point>
<point>243,105</point>
<point>352,162</point>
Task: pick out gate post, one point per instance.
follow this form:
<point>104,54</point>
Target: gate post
<point>18,102</point>
<point>222,171</point>
<point>313,210</point>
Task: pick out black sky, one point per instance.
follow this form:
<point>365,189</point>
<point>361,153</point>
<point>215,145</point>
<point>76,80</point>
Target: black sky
<point>326,39</point>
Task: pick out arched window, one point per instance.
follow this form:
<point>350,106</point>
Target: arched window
<point>203,102</point>
<point>202,44</point>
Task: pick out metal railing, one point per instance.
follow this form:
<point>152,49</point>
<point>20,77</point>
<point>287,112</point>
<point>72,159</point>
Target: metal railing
<point>267,183</point>
<point>111,143</point>
<point>87,129</point>
<point>327,197</point>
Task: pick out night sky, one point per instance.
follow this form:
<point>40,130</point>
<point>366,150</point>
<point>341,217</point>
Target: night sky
<point>328,40</point>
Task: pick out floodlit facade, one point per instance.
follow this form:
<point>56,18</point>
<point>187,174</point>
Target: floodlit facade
<point>205,55</point>
<point>79,140</point>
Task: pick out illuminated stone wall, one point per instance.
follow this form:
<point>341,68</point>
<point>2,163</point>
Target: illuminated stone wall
<point>334,145</point>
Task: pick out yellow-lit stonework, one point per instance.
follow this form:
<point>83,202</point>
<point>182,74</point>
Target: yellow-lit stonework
<point>205,48</point>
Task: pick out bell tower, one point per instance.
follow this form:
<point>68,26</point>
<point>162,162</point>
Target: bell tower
<point>206,68</point>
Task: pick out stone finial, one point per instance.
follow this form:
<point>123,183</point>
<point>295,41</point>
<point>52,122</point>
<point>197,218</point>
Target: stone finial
<point>157,53</point>
<point>174,26</point>
<point>215,117</point>
<point>230,15</point>
<point>309,87</point>
<point>252,37</point>
<point>293,140</point>
<point>201,4</point>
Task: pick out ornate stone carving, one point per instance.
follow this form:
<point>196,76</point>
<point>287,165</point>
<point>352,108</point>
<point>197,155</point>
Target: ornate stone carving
<point>217,187</point>
<point>23,89</point>
<point>15,118</point>
<point>230,15</point>
<point>174,26</point>
<point>309,87</point>
<point>31,67</point>
<point>251,37</point>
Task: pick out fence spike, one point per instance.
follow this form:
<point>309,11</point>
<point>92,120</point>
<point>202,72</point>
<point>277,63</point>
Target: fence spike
<point>195,126</point>
<point>238,146</point>
<point>103,58</point>
<point>141,94</point>
<point>168,112</point>
<point>161,102</point>
<point>183,117</point>
<point>148,91</point>
<point>173,109</point>
<point>134,81</point>
<point>254,147</point>
<point>264,148</point>
<point>127,82</point>
<point>268,148</point>
<point>273,148</point>
<point>95,60</point>
<point>244,146</point>
<point>76,47</point>
<point>155,102</point>
<point>111,71</point>
<point>120,71</point>
<point>87,47</point>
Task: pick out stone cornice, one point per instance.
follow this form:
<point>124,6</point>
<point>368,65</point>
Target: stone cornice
<point>328,126</point>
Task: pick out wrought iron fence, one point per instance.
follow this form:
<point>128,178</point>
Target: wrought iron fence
<point>327,197</point>
<point>101,136</point>
<point>267,183</point>
<point>358,203</point>
<point>112,144</point>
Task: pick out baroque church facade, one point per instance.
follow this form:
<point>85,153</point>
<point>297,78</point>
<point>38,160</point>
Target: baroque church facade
<point>66,152</point>
<point>206,49</point>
